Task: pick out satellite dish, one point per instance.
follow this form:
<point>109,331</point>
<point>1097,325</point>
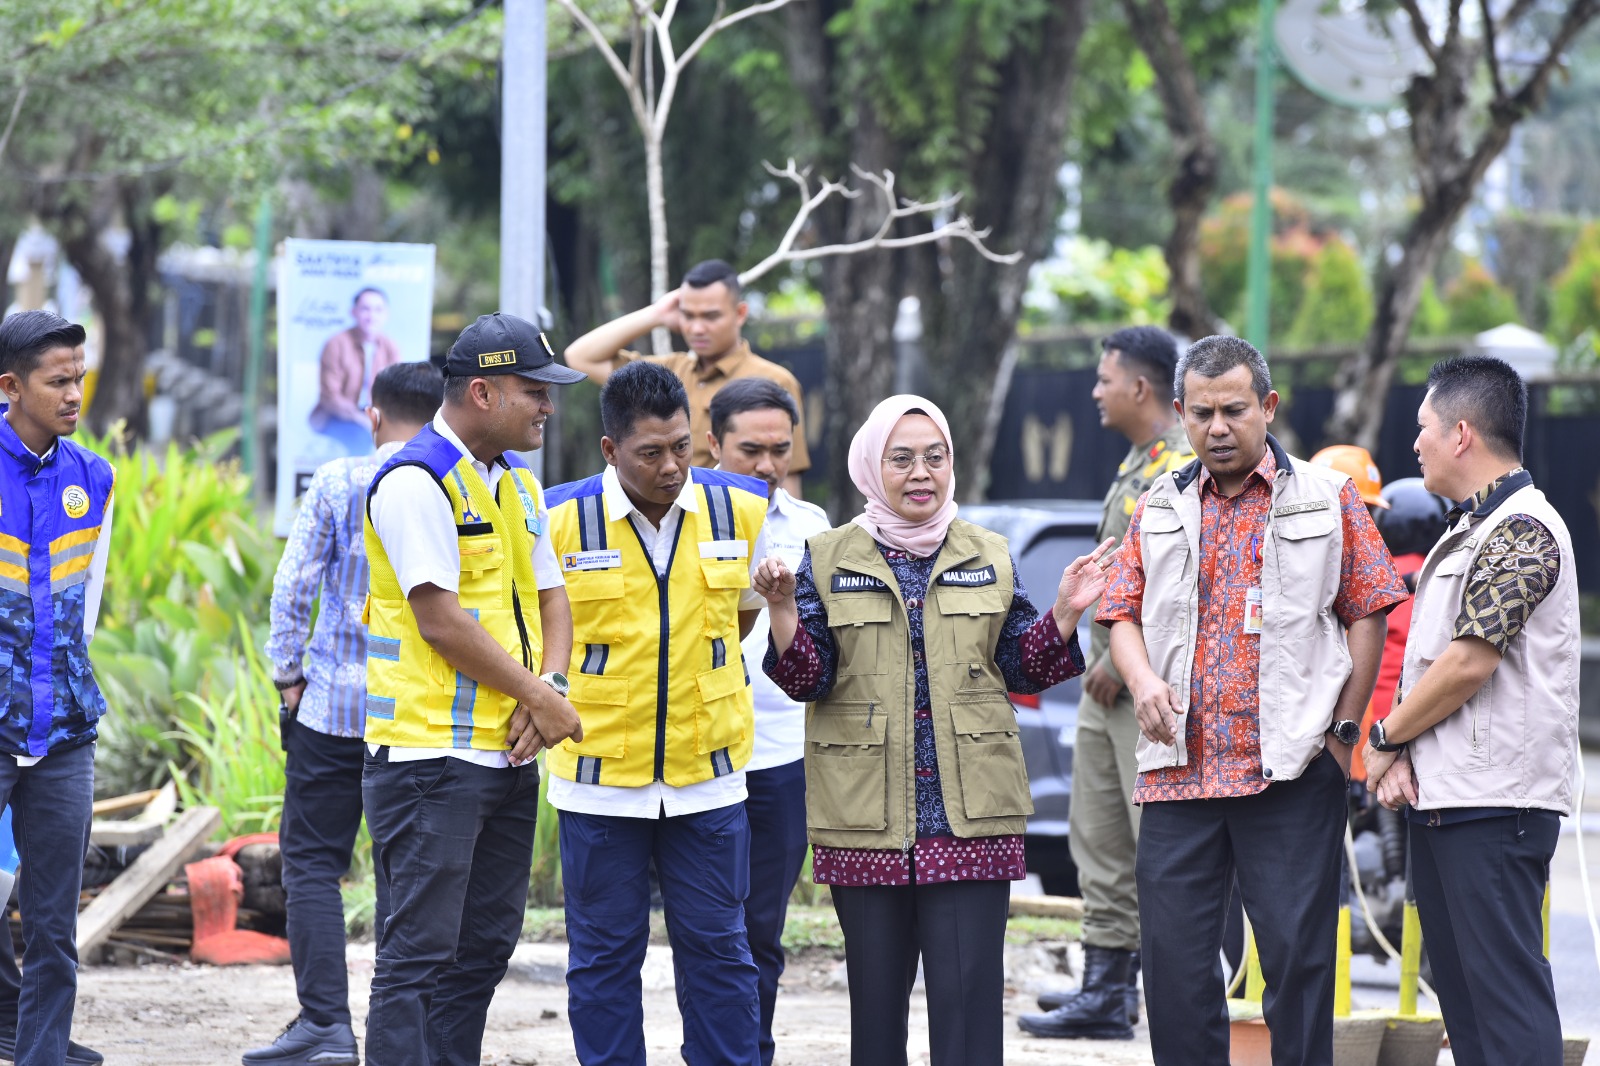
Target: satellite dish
<point>1349,57</point>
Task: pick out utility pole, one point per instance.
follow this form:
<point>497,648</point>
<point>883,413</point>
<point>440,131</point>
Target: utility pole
<point>1259,268</point>
<point>522,171</point>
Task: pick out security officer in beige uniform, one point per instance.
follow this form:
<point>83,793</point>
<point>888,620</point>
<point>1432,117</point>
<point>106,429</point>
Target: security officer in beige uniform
<point>1134,395</point>
<point>1481,739</point>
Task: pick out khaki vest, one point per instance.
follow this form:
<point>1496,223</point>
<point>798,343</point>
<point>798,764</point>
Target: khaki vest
<point>1511,744</point>
<point>861,787</point>
<point>1304,659</point>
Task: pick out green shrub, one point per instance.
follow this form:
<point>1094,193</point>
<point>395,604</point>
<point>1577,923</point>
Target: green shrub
<point>1095,282</point>
<point>1433,317</point>
<point>1575,292</point>
<point>1225,253</point>
<point>1337,307</point>
<point>1477,302</point>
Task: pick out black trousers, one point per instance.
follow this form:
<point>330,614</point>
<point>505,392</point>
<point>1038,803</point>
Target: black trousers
<point>776,808</point>
<point>1480,891</point>
<point>1283,845</point>
<point>958,928</point>
<point>454,842</point>
<point>321,816</point>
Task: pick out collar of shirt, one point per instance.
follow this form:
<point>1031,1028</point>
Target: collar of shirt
<point>618,505</point>
<point>19,451</point>
<point>485,470</point>
<point>1486,499</point>
<point>1265,470</point>
<point>727,366</point>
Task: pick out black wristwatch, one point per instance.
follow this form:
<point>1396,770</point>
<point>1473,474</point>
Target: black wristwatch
<point>1380,740</point>
<point>1346,731</point>
<point>285,686</point>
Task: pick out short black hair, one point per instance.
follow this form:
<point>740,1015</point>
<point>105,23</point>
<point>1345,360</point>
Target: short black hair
<point>1149,351</point>
<point>712,271</point>
<point>370,288</point>
<point>749,394</point>
<point>27,335</point>
<point>639,390</point>
<point>1487,394</point>
<point>1212,357</point>
<point>409,392</point>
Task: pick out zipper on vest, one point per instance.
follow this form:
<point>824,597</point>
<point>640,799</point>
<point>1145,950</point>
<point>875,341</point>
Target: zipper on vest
<point>909,741</point>
<point>870,706</point>
<point>522,630</point>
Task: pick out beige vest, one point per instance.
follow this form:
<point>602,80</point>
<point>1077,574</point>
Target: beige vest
<point>1511,744</point>
<point>1304,660</point>
<point>861,789</point>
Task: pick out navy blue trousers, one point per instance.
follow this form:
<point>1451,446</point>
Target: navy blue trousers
<point>321,816</point>
<point>454,842</point>
<point>51,807</point>
<point>1480,891</point>
<point>703,862</point>
<point>776,809</point>
<point>1283,846</point>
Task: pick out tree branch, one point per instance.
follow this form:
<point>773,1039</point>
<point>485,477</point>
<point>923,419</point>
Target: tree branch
<point>960,228</point>
<point>11,123</point>
<point>1514,14</point>
<point>629,79</point>
<point>1420,29</point>
<point>722,22</point>
<point>1489,52</point>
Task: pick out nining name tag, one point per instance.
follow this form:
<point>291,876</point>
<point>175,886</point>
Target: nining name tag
<point>724,549</point>
<point>968,578</point>
<point>858,583</point>
<point>600,559</point>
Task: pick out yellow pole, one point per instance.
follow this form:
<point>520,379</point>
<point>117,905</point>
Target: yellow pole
<point>1341,987</point>
<point>1545,914</point>
<point>1410,959</point>
<point>1255,982</point>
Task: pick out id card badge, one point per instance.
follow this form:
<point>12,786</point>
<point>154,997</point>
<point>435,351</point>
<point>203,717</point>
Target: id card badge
<point>1252,611</point>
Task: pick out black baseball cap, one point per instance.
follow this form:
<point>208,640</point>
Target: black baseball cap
<point>505,344</point>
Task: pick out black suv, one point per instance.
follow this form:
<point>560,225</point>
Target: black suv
<point>1045,536</point>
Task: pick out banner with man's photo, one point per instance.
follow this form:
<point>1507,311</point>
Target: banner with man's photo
<point>346,310</point>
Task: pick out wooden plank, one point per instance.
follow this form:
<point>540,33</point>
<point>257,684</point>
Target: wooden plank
<point>1068,907</point>
<point>141,829</point>
<point>118,804</point>
<point>148,875</point>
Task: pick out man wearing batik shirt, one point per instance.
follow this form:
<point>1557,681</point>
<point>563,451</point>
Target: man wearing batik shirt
<point>1246,609</point>
<point>1481,739</point>
<point>322,675</point>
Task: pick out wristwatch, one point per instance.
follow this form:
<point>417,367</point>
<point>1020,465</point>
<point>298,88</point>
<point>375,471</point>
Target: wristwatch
<point>557,681</point>
<point>285,686</point>
<point>1346,731</point>
<point>1380,740</point>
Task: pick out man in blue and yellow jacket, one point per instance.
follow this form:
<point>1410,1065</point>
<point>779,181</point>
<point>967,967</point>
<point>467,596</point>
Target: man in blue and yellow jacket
<point>468,632</point>
<point>657,558</point>
<point>55,529</point>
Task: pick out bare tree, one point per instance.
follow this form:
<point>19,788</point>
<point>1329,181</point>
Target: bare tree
<point>650,97</point>
<point>1194,179</point>
<point>1474,48</point>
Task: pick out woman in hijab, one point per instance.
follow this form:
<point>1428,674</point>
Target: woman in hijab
<point>905,629</point>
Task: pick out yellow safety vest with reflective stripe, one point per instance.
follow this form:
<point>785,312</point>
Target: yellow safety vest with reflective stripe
<point>414,698</point>
<point>661,684</point>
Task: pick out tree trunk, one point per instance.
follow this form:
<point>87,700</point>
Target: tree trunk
<point>120,281</point>
<point>656,196</point>
<point>970,305</point>
<point>1195,178</point>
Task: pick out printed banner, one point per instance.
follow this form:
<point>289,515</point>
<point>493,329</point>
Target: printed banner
<point>346,310</point>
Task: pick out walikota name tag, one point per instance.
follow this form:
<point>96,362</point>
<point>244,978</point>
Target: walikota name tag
<point>600,559</point>
<point>724,549</point>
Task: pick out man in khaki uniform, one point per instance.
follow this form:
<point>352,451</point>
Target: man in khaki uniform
<point>708,312</point>
<point>1134,394</point>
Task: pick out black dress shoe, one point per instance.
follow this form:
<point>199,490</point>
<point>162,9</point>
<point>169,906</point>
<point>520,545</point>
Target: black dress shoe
<point>77,1054</point>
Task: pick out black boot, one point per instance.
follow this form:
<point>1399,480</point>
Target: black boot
<point>1133,990</point>
<point>1099,1011</point>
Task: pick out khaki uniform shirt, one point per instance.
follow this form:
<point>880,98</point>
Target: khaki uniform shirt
<point>702,384</point>
<point>1139,470</point>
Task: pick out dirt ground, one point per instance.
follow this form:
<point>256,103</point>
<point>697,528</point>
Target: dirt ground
<point>161,1014</point>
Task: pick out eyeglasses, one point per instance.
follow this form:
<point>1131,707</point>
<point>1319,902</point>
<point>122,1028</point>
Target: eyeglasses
<point>902,462</point>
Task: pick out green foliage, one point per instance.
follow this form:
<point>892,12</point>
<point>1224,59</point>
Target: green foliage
<point>1094,282</point>
<point>544,879</point>
<point>1337,307</point>
<point>1433,317</point>
<point>1575,292</point>
<point>1476,301</point>
<point>1225,252</point>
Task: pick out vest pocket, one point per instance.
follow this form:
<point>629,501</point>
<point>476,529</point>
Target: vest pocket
<point>860,624</point>
<point>719,720</point>
<point>80,678</point>
<point>994,779</point>
<point>481,559</point>
<point>847,777</point>
<point>602,706</point>
<point>1152,756</point>
<point>601,623</point>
